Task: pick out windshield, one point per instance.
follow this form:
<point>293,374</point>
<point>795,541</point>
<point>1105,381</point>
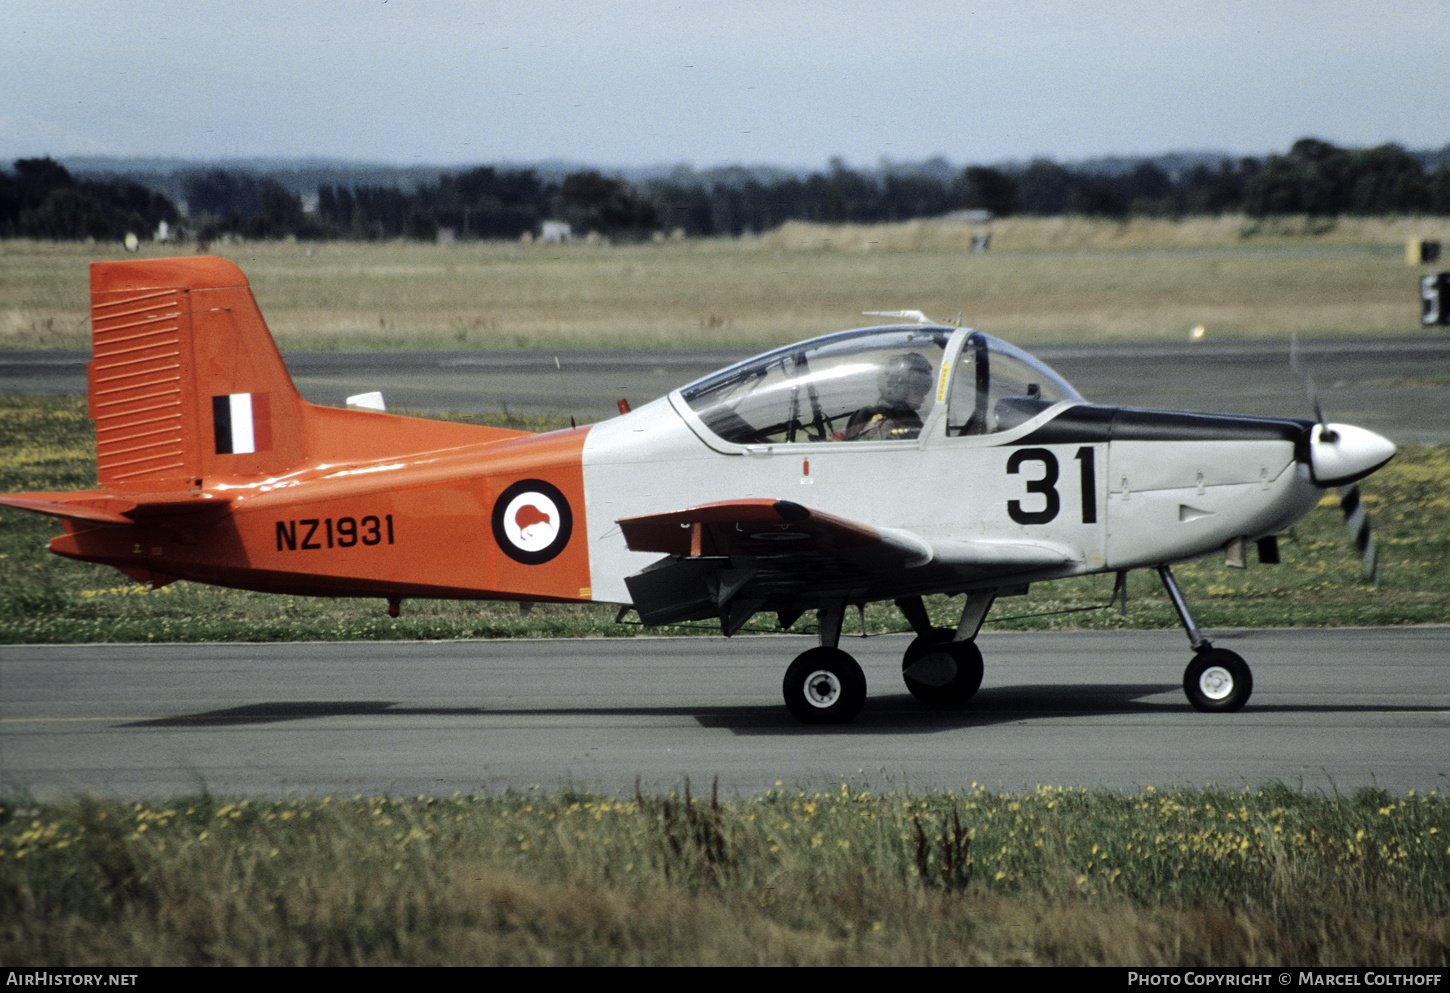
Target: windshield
<point>996,387</point>
<point>875,384</point>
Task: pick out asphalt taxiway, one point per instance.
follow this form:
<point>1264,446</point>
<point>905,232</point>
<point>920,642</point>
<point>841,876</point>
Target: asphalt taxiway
<point>1332,709</point>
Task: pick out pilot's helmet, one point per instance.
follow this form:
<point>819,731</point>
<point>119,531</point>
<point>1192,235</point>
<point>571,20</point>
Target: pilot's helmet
<point>904,379</point>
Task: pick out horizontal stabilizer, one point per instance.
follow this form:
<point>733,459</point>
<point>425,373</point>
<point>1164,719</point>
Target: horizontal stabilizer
<point>94,508</point>
<point>108,507</point>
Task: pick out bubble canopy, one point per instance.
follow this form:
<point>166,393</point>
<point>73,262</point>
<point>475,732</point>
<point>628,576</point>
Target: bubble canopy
<point>876,384</point>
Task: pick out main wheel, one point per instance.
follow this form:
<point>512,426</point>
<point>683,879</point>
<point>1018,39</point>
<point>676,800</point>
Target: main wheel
<point>1217,680</point>
<point>824,686</point>
<point>938,670</point>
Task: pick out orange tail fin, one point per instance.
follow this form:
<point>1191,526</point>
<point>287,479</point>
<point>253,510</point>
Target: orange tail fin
<point>184,373</point>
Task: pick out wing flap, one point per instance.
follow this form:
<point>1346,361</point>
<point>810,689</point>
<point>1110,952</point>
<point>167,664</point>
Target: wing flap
<point>735,527</point>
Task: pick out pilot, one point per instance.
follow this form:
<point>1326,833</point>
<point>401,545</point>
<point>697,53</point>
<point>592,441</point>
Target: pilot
<point>904,381</point>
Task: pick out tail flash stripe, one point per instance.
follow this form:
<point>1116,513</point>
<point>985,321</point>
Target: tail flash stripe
<point>221,417</point>
<point>243,423</point>
<point>262,421</point>
<point>243,440</point>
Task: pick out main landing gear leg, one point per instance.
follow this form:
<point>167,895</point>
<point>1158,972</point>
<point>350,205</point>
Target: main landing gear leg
<point>1216,679</point>
<point>944,666</point>
<point>824,685</point>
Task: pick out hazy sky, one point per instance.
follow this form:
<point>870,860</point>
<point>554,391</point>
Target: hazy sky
<point>731,81</point>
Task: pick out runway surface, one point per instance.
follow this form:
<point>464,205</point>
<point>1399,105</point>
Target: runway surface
<point>1384,384</point>
<point>1332,709</point>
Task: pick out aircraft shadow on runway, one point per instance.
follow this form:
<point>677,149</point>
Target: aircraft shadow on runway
<point>882,714</point>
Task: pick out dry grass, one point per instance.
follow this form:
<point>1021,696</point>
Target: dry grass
<point>1270,876</point>
<point>1047,234</point>
<point>1044,279</point>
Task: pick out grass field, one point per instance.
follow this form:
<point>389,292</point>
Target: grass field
<point>1052,876</point>
<point>1056,279</point>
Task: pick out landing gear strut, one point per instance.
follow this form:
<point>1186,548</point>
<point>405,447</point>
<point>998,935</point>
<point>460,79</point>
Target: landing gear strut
<point>1217,679</point>
<point>944,666</point>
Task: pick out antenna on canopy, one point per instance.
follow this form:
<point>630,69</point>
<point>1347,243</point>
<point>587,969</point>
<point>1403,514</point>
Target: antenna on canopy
<point>905,315</point>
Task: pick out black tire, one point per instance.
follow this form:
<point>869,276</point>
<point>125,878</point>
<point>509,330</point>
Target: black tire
<point>824,686</point>
<point>952,670</point>
<point>1217,681</point>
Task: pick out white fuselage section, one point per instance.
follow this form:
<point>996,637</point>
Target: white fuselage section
<point>1110,505</point>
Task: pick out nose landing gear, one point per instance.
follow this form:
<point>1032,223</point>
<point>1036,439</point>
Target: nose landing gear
<point>1217,680</point>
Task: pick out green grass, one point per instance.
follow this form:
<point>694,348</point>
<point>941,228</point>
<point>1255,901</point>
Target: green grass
<point>46,444</point>
<point>1262,876</point>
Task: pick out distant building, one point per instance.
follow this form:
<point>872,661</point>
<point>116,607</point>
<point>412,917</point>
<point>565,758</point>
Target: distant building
<point>969,216</point>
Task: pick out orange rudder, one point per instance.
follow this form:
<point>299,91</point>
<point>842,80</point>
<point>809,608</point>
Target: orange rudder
<point>185,381</point>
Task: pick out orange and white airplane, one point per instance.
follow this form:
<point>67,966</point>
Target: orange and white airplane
<point>884,463</point>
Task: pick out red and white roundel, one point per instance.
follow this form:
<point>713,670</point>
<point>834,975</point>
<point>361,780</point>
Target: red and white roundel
<point>532,521</point>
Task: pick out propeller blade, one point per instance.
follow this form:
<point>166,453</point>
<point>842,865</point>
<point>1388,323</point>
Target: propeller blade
<point>1303,372</point>
<point>1357,522</point>
<point>1350,454</point>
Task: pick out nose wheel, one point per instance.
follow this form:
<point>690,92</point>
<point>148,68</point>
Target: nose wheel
<point>1217,680</point>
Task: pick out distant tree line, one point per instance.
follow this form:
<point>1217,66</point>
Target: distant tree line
<point>1314,178</point>
<point>1318,179</point>
<point>40,198</point>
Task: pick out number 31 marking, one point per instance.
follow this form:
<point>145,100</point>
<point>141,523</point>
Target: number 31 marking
<point>1046,486</point>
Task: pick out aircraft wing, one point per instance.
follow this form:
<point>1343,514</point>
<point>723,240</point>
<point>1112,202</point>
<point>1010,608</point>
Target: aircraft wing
<point>736,557</point>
